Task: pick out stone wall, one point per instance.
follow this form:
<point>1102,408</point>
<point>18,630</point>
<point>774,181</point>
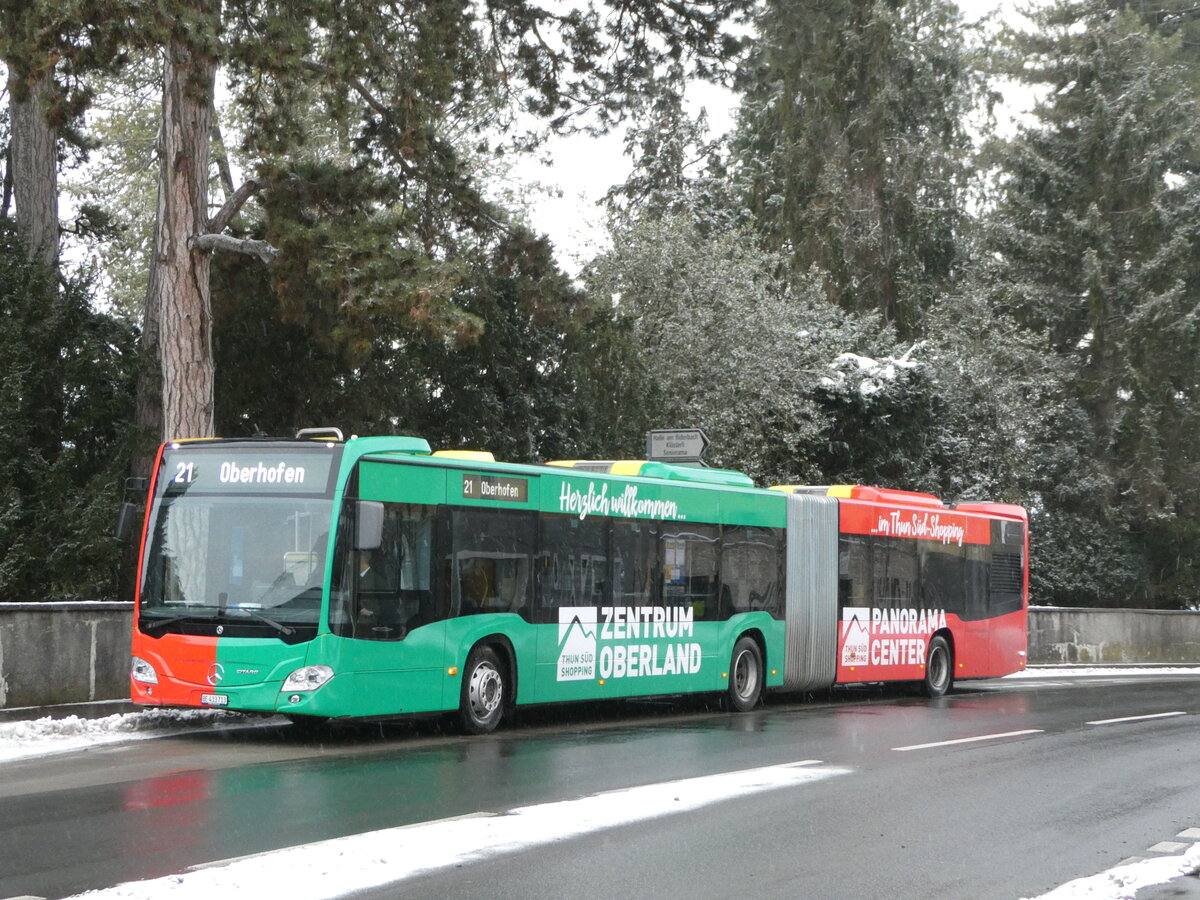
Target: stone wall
<point>1113,636</point>
<point>54,653</point>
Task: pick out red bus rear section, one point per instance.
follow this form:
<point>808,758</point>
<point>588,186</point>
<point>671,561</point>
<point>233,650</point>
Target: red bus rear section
<point>923,586</point>
<point>911,569</point>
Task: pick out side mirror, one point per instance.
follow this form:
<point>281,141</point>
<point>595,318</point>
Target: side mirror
<point>368,525</point>
<point>126,519</point>
<point>127,516</point>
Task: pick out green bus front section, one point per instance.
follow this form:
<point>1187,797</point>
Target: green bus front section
<point>627,651</point>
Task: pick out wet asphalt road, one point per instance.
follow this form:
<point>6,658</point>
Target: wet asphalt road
<point>1005,817</point>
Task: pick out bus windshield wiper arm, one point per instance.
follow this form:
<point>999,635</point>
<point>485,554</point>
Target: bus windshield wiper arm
<point>254,614</point>
<point>161,623</point>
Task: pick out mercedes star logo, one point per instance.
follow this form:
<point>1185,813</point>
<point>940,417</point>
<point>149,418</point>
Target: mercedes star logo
<point>216,672</point>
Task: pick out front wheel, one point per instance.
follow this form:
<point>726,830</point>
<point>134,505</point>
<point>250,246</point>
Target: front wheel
<point>481,705</point>
<point>745,676</point>
<point>939,668</point>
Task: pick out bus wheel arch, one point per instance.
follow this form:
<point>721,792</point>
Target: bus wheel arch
<point>747,673</point>
<point>939,665</point>
<point>489,683</point>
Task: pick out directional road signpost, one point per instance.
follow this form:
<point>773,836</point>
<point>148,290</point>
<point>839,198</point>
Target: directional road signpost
<point>685,445</point>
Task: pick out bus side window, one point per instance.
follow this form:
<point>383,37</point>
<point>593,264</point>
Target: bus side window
<point>943,578</point>
<point>894,572</point>
<point>573,564</point>
<point>978,573</point>
<point>382,594</point>
<point>690,556</point>
<point>637,566</point>
<point>854,571</point>
<point>491,560</point>
<point>752,563</point>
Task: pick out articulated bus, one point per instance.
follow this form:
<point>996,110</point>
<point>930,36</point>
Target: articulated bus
<point>325,579</point>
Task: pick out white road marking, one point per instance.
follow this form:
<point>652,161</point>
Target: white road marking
<point>344,865</point>
<point>970,740</point>
<point>1136,718</point>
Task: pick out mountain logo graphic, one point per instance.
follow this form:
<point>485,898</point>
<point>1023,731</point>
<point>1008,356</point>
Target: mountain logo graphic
<point>576,643</point>
<point>856,635</point>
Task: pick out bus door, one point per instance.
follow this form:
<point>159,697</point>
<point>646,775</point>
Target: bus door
<point>382,598</point>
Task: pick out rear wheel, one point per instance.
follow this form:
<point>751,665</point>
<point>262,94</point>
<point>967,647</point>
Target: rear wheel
<point>745,675</point>
<point>484,691</point>
<point>939,668</point>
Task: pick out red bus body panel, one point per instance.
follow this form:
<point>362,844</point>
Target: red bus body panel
<point>890,644</point>
<point>184,664</point>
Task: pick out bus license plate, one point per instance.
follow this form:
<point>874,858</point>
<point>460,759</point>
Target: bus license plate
<point>214,699</point>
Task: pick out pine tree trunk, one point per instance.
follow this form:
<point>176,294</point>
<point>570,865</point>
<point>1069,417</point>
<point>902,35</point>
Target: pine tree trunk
<point>178,316</point>
<point>34,162</point>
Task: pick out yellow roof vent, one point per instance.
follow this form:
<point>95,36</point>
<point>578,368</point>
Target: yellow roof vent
<point>472,455</point>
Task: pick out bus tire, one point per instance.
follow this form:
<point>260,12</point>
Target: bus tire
<point>939,668</point>
<point>745,675</point>
<point>484,692</point>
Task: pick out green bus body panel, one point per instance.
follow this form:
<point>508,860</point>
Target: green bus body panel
<point>254,670</point>
<point>423,672</point>
<point>414,675</point>
<point>714,641</point>
<point>551,489</point>
<point>407,484</point>
<point>377,678</point>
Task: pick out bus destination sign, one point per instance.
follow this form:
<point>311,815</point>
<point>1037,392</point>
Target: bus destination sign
<point>212,470</point>
<point>495,487</point>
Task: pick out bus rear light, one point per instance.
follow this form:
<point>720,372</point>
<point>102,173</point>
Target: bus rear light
<point>142,671</point>
<point>307,679</point>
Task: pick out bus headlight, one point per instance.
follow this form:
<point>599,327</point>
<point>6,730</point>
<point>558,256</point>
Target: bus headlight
<point>142,671</point>
<point>307,679</point>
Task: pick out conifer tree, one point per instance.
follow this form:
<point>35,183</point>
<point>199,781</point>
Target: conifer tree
<point>65,398</point>
<point>50,49</point>
<point>851,150</point>
<point>1097,244</point>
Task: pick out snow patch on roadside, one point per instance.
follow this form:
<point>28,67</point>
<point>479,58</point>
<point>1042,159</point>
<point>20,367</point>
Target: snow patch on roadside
<point>1100,671</point>
<point>48,736</point>
<point>1123,882</point>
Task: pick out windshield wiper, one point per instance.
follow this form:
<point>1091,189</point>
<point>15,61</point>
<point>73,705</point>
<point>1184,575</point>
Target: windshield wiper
<point>197,615</point>
<point>254,614</point>
<point>161,623</point>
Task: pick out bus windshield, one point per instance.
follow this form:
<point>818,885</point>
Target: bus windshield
<point>234,555</point>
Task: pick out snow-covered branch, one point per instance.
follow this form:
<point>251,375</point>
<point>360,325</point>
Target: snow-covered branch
<point>868,376</point>
<point>210,242</point>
